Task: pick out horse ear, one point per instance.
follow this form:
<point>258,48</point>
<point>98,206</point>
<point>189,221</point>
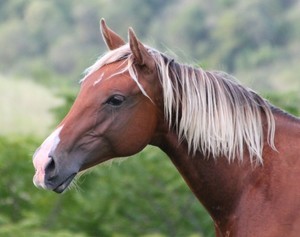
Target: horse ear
<point>140,53</point>
<point>111,39</point>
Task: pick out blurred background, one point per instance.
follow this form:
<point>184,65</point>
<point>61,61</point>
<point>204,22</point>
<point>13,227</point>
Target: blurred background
<point>44,48</point>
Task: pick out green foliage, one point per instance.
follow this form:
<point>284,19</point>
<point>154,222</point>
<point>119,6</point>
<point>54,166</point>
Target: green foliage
<point>20,202</point>
<point>289,102</point>
<point>239,37</point>
<point>61,111</point>
<point>13,161</point>
<point>142,197</point>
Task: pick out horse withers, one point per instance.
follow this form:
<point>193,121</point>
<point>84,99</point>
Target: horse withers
<point>239,154</point>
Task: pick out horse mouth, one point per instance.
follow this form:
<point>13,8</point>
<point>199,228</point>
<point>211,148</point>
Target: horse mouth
<point>62,187</point>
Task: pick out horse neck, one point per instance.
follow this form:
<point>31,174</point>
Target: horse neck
<point>229,191</point>
<point>216,183</point>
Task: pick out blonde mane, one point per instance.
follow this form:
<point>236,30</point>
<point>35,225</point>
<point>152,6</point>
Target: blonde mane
<point>211,111</point>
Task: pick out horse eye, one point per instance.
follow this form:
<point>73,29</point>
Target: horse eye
<point>115,100</point>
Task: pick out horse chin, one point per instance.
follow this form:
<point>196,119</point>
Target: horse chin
<point>89,165</point>
<point>64,185</point>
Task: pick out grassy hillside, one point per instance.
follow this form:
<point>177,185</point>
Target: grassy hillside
<point>25,107</point>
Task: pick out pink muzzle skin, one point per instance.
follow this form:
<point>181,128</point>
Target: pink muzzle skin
<point>41,157</point>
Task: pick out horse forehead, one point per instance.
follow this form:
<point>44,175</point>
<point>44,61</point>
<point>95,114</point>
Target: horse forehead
<point>104,83</point>
<point>109,75</point>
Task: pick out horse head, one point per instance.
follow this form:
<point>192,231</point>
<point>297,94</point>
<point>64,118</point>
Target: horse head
<point>114,115</point>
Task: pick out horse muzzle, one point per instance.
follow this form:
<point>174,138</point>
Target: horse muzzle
<point>53,177</point>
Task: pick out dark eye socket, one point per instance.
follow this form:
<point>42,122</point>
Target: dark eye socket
<point>115,100</point>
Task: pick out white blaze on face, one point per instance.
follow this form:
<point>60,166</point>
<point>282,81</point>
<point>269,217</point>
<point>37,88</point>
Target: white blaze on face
<point>98,80</point>
<point>41,157</point>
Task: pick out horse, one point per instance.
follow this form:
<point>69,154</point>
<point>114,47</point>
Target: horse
<point>239,154</point>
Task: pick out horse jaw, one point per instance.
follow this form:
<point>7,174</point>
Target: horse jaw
<point>41,157</point>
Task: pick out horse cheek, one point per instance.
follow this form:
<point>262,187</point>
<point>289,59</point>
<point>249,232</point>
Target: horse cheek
<point>137,134</point>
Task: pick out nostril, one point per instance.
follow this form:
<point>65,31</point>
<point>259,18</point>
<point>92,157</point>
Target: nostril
<point>50,168</point>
